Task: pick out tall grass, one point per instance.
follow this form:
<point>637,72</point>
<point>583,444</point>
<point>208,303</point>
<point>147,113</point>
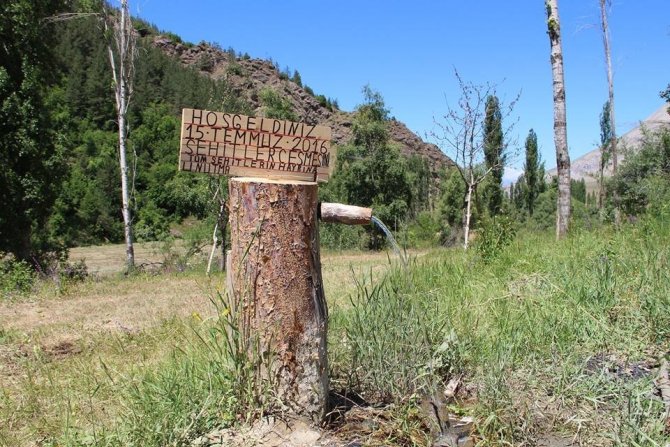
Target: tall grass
<point>546,333</point>
<point>549,340</point>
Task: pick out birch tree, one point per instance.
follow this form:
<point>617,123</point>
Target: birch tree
<point>122,53</point>
<point>461,133</point>
<point>560,125</point>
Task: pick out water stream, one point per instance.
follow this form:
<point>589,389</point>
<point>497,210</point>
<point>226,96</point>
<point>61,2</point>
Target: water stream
<point>389,237</point>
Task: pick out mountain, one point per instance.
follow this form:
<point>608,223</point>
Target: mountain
<point>249,77</point>
<point>587,166</point>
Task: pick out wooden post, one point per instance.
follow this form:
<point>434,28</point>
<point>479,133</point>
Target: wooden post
<point>276,276</point>
<point>345,214</point>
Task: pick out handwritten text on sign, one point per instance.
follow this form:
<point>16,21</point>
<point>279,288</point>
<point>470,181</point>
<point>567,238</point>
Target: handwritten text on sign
<point>239,145</point>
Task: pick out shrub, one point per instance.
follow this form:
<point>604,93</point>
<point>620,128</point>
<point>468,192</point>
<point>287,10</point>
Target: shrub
<point>16,277</point>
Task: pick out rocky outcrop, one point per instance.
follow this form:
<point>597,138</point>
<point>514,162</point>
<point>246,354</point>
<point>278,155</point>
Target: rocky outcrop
<point>249,76</point>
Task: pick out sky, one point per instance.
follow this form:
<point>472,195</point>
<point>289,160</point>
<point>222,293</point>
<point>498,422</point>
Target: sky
<point>408,51</point>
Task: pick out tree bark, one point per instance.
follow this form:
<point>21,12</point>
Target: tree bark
<point>122,81</point>
<point>610,86</point>
<point>276,276</point>
<point>560,124</point>
<point>468,214</point>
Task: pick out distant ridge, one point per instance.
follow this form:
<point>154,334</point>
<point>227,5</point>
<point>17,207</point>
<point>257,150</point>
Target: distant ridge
<point>587,166</point>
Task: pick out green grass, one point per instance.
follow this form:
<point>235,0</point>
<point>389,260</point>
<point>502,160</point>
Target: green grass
<point>524,330</point>
<point>550,340</point>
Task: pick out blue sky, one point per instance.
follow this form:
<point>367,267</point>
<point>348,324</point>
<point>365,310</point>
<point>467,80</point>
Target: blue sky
<point>408,51</point>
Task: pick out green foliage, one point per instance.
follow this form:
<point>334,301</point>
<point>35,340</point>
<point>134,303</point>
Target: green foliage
<point>392,349</point>
<point>30,150</point>
<point>451,200</point>
<point>642,182</point>
<point>606,135</point>
<point>424,230</point>
<point>370,171</point>
<point>296,78</point>
<point>578,190</point>
<point>421,182</point>
<point>493,235</point>
<point>544,216</point>
<point>235,69</point>
<point>534,179</point>
<point>276,106</point>
<point>494,156</point>
<point>86,209</point>
<point>16,277</point>
<point>341,237</point>
<point>665,94</point>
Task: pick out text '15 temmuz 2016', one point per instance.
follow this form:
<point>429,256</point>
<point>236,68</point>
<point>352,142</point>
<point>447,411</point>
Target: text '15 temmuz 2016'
<point>239,145</point>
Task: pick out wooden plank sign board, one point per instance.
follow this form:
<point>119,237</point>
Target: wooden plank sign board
<point>243,146</point>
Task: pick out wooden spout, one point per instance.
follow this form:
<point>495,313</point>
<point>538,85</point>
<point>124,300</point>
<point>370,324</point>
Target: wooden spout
<point>346,214</point>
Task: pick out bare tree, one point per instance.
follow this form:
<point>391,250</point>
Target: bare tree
<point>610,85</point>
<point>220,199</point>
<point>122,53</point>
<point>560,125</point>
<point>461,135</point>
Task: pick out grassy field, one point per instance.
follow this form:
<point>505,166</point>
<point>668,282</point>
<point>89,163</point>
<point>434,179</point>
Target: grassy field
<point>64,350</point>
<point>552,344</point>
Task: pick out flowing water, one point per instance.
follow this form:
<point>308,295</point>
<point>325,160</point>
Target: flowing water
<point>389,237</point>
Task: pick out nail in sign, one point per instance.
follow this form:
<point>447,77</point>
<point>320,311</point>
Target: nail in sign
<point>237,145</point>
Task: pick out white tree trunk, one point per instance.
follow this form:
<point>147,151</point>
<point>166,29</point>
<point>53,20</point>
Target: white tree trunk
<point>560,123</point>
<point>124,41</point>
<point>468,214</point>
<point>125,194</point>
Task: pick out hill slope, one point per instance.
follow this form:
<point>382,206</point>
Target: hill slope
<point>249,76</point>
<point>587,166</point>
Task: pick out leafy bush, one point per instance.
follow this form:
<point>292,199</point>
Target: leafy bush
<point>16,277</point>
<point>73,271</point>
<point>643,180</point>
<point>424,231</point>
<point>235,69</point>
<point>276,106</point>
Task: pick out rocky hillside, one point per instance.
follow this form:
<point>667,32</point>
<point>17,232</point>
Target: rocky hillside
<point>587,166</point>
<point>249,76</point>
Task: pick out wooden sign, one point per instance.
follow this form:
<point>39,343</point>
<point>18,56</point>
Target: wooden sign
<point>237,145</point>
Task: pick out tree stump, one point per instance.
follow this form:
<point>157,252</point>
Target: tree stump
<point>276,277</point>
